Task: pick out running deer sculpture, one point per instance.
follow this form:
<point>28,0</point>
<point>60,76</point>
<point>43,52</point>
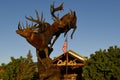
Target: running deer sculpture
<point>67,22</point>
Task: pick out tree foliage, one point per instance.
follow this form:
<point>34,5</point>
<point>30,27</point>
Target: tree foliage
<point>103,65</point>
<point>18,69</point>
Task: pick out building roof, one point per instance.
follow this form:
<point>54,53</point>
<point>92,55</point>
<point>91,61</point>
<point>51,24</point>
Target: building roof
<point>76,55</point>
<point>73,59</point>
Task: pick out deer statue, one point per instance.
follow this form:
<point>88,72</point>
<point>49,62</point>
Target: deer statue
<point>38,35</point>
<point>65,23</point>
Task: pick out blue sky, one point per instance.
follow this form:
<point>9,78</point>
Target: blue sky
<point>98,26</point>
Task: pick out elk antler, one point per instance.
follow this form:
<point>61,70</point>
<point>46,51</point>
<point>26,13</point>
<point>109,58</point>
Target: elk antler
<point>53,9</point>
<point>19,26</point>
<point>27,26</point>
<point>38,20</point>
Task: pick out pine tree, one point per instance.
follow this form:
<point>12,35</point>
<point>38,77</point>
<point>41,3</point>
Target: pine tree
<point>19,68</point>
<point>103,65</point>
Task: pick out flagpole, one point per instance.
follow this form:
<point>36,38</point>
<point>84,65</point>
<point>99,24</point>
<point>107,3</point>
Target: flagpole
<point>67,42</point>
<point>67,56</point>
<point>65,49</point>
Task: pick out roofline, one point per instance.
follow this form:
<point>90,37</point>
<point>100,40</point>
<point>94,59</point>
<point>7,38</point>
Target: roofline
<point>75,54</point>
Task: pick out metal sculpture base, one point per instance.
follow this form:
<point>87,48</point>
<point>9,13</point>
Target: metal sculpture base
<point>45,68</point>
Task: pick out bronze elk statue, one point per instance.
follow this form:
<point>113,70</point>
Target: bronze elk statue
<point>40,34</point>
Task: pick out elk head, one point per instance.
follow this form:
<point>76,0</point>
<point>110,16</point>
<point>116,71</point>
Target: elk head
<point>68,22</point>
<point>26,32</point>
<point>72,23</point>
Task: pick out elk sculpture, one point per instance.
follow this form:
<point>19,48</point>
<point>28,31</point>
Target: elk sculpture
<point>65,23</point>
<point>41,34</point>
<point>36,36</point>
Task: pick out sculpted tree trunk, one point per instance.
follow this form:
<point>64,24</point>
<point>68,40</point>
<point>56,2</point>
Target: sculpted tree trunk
<point>46,69</point>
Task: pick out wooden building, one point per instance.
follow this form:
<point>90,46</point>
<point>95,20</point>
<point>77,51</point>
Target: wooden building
<point>70,64</point>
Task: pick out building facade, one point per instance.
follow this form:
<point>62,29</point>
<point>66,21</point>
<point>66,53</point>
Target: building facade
<point>70,64</point>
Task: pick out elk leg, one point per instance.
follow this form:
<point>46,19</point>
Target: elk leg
<point>73,33</point>
<point>56,37</point>
<point>65,33</point>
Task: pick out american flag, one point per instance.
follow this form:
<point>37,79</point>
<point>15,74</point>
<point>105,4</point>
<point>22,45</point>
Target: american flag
<point>64,48</point>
